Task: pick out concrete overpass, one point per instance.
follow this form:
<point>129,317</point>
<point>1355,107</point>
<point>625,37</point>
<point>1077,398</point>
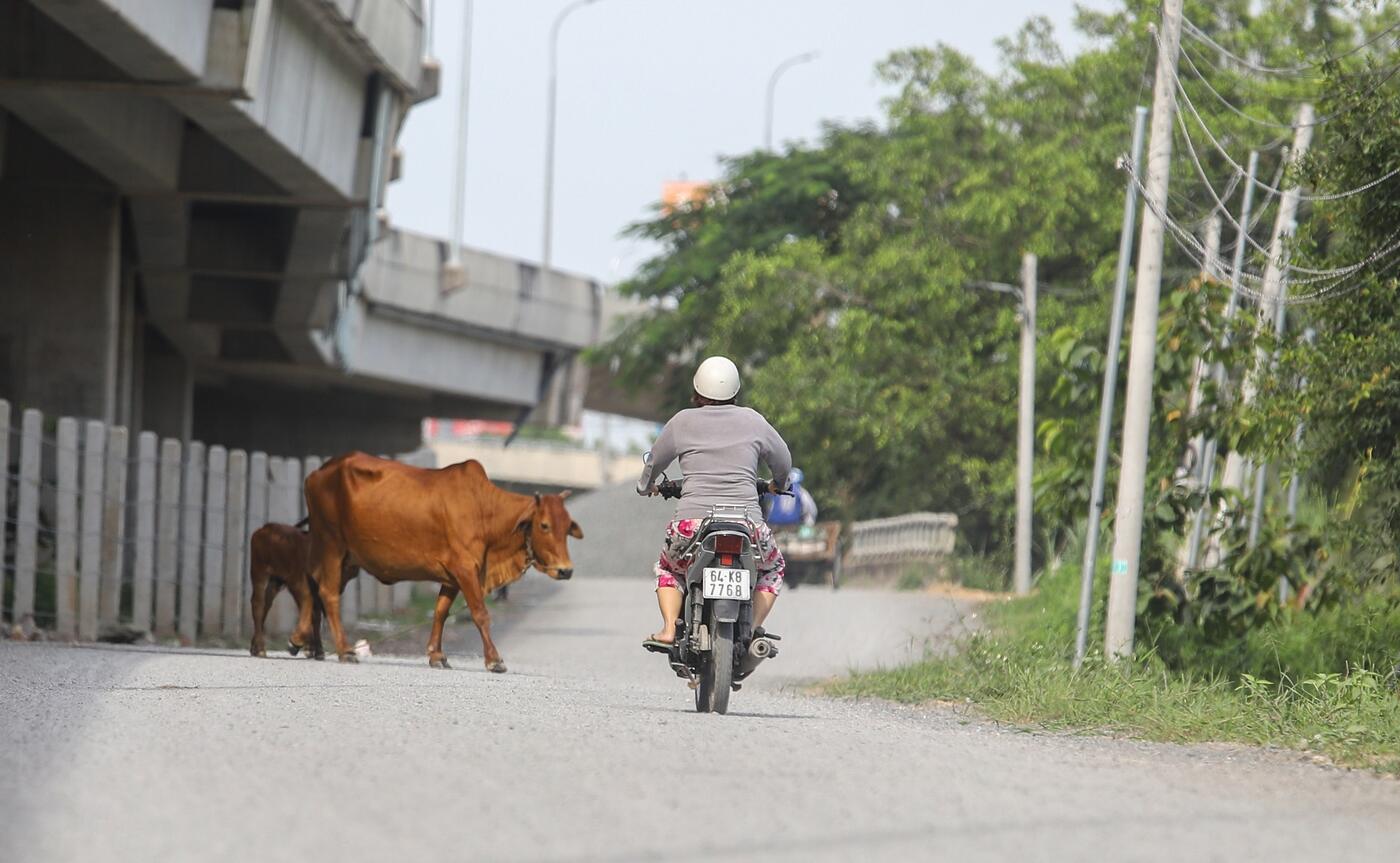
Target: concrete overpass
<point>529,466</point>
<point>192,242</point>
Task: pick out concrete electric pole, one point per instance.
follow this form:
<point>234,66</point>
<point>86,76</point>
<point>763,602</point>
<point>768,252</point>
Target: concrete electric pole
<point>1025,445</point>
<point>1207,475</point>
<point>1274,288</point>
<point>1127,542</point>
<point>1110,389</point>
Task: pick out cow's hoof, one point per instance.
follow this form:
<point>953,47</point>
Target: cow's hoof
<point>497,667</point>
<point>319,656</point>
<point>350,658</point>
<point>438,662</point>
<point>259,652</point>
<point>293,648</point>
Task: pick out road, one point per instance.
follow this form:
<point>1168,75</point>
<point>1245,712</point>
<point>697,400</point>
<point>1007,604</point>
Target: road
<point>588,750</point>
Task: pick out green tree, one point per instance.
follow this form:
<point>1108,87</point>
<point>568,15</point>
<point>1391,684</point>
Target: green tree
<point>841,276</point>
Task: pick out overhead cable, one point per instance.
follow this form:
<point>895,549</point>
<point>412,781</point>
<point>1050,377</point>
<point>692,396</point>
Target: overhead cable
<point>1202,36</point>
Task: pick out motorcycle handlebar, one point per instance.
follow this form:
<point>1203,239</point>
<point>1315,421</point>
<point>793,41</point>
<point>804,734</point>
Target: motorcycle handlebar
<point>670,489</point>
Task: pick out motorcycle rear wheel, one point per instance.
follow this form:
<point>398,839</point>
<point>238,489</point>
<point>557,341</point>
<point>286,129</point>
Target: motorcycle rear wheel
<point>717,673</point>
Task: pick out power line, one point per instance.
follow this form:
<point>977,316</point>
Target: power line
<point>1202,36</point>
<point>1231,106</point>
<point>1335,196</point>
<point>1336,286</point>
<point>1318,274</point>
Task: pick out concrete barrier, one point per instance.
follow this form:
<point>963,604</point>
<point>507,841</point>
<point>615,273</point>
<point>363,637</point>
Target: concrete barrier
<point>182,568</point>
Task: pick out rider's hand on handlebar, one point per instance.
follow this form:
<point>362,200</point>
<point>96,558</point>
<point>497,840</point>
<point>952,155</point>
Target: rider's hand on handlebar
<point>765,486</point>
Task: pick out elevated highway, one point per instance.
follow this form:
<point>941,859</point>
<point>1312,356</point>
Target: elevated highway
<point>192,239</point>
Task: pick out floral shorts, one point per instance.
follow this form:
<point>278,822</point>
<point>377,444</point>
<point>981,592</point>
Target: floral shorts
<point>672,565</point>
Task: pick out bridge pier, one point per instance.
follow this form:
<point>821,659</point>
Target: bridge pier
<point>58,336</point>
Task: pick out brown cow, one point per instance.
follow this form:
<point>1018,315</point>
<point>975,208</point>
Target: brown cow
<point>452,526</point>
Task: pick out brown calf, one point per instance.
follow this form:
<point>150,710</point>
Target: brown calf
<point>279,556</point>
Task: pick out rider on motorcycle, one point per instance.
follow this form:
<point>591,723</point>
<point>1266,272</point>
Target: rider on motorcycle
<point>719,445</point>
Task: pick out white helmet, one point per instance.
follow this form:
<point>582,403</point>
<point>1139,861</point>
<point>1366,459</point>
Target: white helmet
<point>717,379</point>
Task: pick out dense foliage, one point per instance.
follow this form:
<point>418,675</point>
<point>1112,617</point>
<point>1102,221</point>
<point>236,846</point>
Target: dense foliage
<point>846,277</point>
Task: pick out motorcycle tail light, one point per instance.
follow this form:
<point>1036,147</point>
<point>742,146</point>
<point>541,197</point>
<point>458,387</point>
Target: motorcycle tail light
<point>729,544</point>
<point>726,560</point>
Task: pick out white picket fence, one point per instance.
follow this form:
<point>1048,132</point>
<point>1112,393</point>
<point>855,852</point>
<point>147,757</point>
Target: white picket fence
<point>911,539</point>
<point>152,537</point>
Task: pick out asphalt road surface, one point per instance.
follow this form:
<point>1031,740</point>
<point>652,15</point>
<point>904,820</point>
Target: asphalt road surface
<point>589,750</point>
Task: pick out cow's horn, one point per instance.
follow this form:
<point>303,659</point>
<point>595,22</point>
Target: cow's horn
<point>537,498</point>
<point>564,495</point>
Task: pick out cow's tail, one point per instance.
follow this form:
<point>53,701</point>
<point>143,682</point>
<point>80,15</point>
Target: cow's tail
<point>303,525</point>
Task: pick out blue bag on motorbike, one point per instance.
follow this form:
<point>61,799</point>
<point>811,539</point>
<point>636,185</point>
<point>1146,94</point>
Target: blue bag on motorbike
<point>785,509</point>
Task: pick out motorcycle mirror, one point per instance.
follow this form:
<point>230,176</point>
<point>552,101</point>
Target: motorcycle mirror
<point>646,457</point>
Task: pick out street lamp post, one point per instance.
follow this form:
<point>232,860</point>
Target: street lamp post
<point>772,85</point>
<point>1025,501</point>
<point>455,271</point>
<point>545,255</point>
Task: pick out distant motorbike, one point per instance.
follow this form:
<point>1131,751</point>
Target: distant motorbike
<point>717,646</point>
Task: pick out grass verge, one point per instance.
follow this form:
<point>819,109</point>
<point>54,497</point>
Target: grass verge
<point>1017,671</point>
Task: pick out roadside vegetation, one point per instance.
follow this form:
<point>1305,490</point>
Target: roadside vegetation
<point>1320,683</point>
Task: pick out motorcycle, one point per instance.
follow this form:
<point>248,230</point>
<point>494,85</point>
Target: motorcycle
<point>717,646</point>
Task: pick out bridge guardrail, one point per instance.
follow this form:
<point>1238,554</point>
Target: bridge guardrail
<point>152,537</point>
<point>887,544</point>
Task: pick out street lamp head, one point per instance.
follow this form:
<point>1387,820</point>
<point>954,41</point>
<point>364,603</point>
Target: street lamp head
<point>772,85</point>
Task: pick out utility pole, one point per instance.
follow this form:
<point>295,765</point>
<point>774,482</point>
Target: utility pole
<point>1127,541</point>
<point>1192,468</point>
<point>1193,545</point>
<point>1191,462</point>
<point>454,273</point>
<point>1274,288</point>
<point>1211,270</point>
<point>1256,512</point>
<point>1025,446</point>
<point>1110,389</point>
<point>1308,335</point>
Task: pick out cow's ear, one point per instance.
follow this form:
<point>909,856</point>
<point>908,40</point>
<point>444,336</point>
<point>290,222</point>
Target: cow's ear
<point>575,531</point>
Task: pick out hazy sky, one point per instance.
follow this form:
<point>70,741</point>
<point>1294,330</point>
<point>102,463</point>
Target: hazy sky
<point>650,91</point>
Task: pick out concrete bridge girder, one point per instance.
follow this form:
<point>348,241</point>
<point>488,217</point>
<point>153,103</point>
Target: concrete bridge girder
<point>149,40</point>
<point>224,156</point>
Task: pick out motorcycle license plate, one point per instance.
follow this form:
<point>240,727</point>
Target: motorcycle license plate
<point>726,583</point>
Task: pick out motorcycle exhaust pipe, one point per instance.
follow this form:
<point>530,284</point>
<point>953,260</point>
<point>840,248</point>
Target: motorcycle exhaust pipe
<point>759,650</point>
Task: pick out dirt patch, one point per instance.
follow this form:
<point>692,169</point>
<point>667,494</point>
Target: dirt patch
<point>968,594</point>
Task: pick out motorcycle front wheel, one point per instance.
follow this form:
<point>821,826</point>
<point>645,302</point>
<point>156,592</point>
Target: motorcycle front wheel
<point>717,673</point>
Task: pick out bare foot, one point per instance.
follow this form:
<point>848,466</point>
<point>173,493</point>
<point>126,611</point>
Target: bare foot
<point>664,636</point>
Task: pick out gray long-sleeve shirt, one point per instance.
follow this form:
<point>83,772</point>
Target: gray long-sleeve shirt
<point>719,447</point>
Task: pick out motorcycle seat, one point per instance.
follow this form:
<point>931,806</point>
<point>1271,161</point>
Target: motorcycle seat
<point>726,527</point>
